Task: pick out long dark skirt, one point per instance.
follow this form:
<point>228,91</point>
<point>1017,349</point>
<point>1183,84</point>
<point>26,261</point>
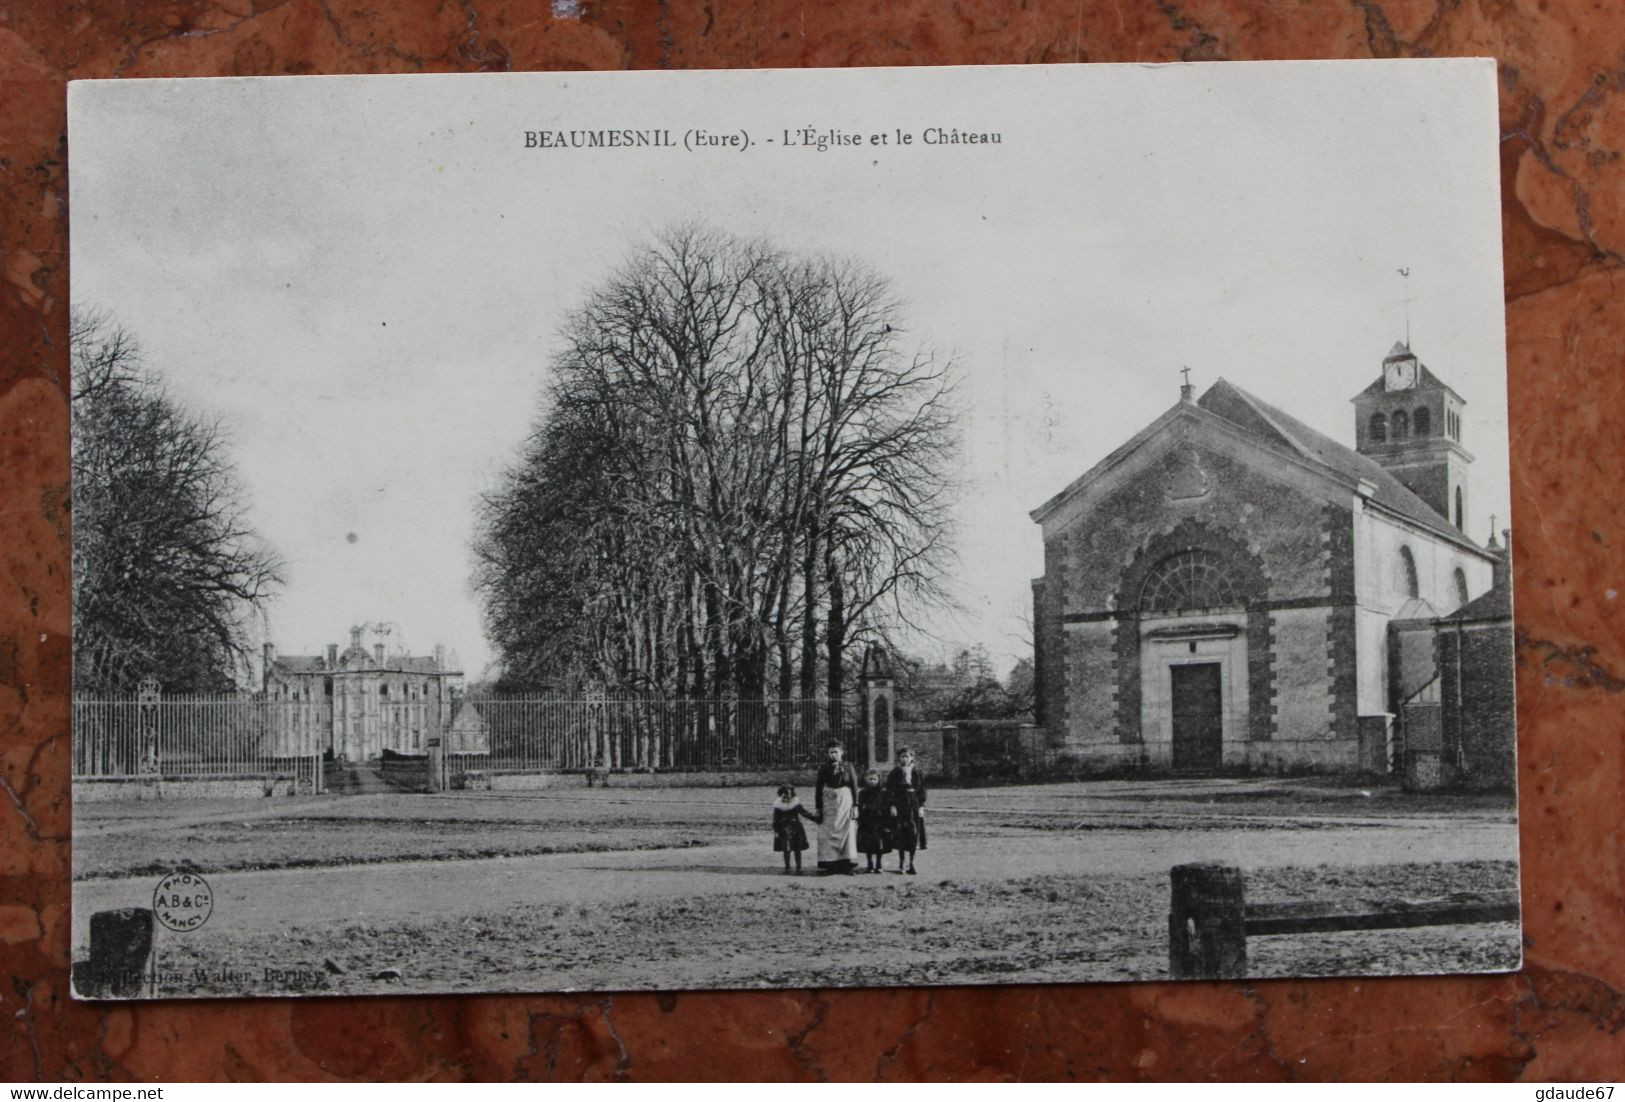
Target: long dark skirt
<point>874,830</point>
<point>908,827</point>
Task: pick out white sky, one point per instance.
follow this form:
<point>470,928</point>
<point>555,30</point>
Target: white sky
<point>364,277</point>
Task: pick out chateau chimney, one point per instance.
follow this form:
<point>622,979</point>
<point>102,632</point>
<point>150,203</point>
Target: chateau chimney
<point>1501,572</point>
<point>378,653</point>
<point>355,637</point>
<point>440,656</point>
<point>332,656</point>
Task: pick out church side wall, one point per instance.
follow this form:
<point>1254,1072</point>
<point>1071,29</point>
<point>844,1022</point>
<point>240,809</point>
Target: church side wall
<point>1381,589</point>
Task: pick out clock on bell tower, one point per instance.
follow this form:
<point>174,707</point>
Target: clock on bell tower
<point>1410,422</point>
<point>1399,372</point>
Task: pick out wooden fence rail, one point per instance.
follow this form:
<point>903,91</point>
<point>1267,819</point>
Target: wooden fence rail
<point>1210,920</point>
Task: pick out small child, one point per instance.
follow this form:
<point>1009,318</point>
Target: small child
<point>788,835</point>
<point>874,820</point>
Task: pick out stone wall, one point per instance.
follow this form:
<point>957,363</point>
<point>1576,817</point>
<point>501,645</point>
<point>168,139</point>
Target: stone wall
<point>1479,736</point>
<point>1301,689</point>
<point>767,781</point>
<point>1282,525</point>
<point>103,789</point>
<point>1089,719</point>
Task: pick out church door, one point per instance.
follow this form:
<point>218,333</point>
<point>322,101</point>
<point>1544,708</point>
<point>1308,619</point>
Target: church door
<point>1198,724</point>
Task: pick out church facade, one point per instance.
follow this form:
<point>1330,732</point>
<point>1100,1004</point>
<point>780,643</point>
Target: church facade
<point>1217,592</point>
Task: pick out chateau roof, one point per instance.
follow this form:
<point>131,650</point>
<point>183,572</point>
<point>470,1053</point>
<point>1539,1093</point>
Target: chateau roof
<point>466,712</point>
<point>363,662</point>
<point>1259,418</point>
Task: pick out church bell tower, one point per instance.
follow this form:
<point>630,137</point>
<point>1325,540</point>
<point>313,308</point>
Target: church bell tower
<point>1410,422</point>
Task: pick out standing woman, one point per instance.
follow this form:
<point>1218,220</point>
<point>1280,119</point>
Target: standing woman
<point>837,802</point>
<point>906,785</point>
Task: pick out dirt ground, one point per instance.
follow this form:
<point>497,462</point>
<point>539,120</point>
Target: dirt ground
<point>573,889</point>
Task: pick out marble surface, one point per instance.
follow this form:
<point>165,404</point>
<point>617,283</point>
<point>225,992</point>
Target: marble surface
<point>1563,126</point>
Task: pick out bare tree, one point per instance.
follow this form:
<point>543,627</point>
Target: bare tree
<point>757,472</point>
<point>167,571</point>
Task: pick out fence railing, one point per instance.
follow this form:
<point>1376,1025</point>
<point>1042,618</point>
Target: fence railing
<point>182,736</point>
<point>195,736</point>
<point>1210,918</point>
<point>547,735</point>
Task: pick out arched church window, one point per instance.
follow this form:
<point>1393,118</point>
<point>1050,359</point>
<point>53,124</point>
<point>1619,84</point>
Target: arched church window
<point>1461,512</point>
<point>1379,428</point>
<point>1401,424</point>
<point>1188,580</point>
<point>1407,567</point>
<point>1422,421</point>
<point>1461,587</point>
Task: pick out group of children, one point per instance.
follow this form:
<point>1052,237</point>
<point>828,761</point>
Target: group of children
<point>889,816</point>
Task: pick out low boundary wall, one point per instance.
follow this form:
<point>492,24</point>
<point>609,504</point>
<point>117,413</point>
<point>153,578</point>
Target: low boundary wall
<point>227,787</point>
<point>522,782</point>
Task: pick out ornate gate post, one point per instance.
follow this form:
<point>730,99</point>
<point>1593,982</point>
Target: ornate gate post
<point>598,725</point>
<point>879,696</point>
<point>147,694</point>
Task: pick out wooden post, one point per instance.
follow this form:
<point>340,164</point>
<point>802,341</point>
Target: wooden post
<point>120,951</point>
<point>437,766</point>
<point>1207,935</point>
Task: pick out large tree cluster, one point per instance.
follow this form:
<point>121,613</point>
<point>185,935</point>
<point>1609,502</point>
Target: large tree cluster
<point>167,571</point>
<point>739,474</point>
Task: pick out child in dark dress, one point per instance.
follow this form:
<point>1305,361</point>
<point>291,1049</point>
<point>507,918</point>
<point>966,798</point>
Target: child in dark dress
<point>906,787</point>
<point>788,836</point>
<point>874,820</point>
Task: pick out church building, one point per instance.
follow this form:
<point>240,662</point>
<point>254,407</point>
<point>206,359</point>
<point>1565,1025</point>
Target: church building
<point>1217,592</point>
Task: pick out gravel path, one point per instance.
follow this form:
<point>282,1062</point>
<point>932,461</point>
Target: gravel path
<point>413,891</point>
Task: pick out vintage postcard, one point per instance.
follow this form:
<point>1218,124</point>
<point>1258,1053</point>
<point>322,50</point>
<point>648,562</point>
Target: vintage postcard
<point>606,531</point>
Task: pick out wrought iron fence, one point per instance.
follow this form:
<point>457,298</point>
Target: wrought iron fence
<point>244,735</point>
<point>534,734</point>
<point>195,736</point>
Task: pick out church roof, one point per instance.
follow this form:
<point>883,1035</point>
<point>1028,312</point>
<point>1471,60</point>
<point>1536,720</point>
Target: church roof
<point>1259,418</point>
<point>1494,605</point>
<point>1416,608</point>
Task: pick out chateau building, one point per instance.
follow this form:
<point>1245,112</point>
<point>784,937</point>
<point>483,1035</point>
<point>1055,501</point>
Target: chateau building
<point>1217,592</point>
<point>355,705</point>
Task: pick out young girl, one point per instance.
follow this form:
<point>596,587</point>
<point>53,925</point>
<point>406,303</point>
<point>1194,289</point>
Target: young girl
<point>788,835</point>
<point>874,820</point>
<point>906,786</point>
